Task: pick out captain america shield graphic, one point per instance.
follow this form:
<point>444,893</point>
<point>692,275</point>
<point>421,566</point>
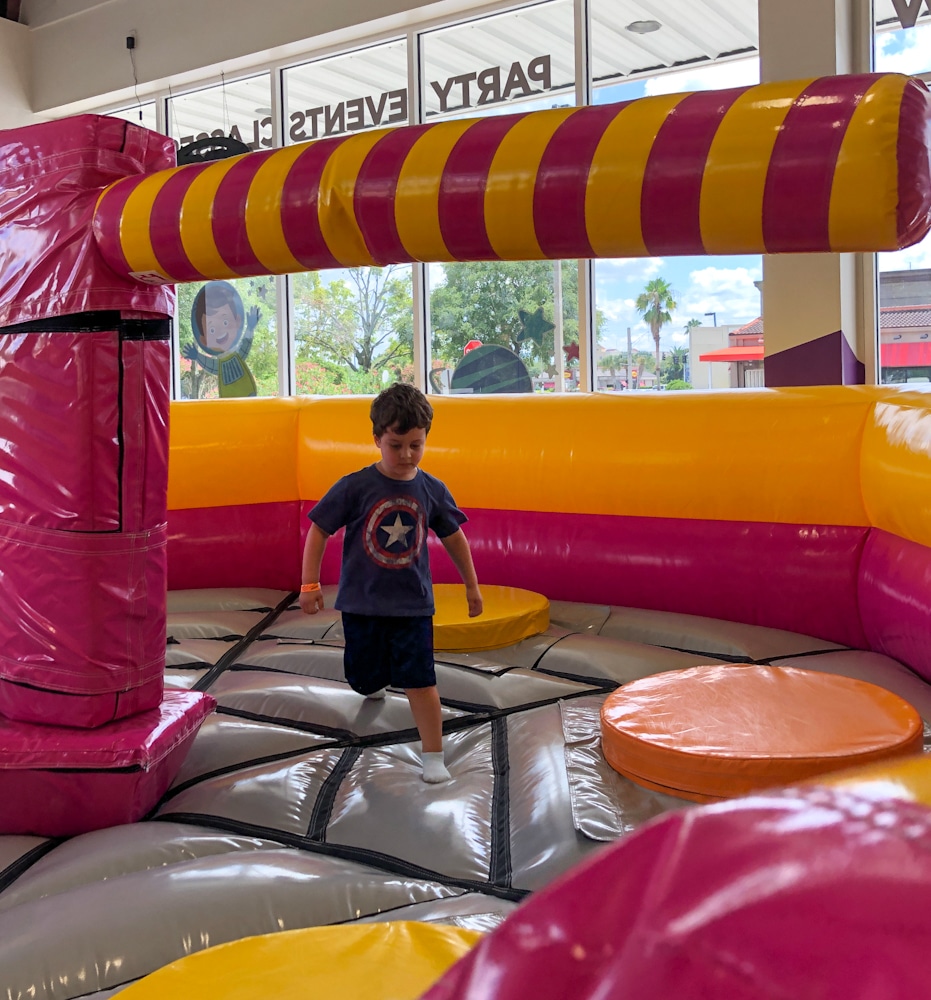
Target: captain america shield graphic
<point>394,532</point>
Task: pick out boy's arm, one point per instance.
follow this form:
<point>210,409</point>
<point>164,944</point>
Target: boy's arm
<point>312,601</point>
<point>457,545</point>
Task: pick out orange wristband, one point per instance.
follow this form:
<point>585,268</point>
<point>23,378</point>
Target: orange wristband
<point>308,588</point>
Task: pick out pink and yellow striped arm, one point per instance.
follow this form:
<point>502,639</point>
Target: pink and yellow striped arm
<point>825,165</point>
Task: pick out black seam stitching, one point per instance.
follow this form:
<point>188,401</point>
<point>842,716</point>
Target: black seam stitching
<point>326,797</point>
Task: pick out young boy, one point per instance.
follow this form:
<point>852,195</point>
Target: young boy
<point>385,590</point>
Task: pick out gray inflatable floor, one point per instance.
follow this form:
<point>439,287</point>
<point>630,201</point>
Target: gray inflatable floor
<point>300,803</point>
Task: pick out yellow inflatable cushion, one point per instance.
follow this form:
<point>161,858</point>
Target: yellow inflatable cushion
<point>509,615</point>
<point>398,960</point>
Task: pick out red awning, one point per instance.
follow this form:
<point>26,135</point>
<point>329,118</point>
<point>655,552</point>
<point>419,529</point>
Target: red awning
<point>734,354</point>
<point>908,355</point>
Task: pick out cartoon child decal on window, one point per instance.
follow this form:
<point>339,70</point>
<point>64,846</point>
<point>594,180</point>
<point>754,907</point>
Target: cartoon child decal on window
<point>222,329</point>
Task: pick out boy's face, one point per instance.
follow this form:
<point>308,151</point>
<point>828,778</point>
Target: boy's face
<point>401,453</point>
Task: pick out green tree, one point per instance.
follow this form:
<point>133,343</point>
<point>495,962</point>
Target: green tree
<point>641,362</point>
<point>674,364</point>
<point>653,304</point>
<point>483,301</point>
<point>351,329</point>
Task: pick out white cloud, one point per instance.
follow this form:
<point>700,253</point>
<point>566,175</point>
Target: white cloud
<point>907,51</point>
<point>728,292</point>
<point>915,257</point>
<point>716,76</point>
<point>628,269</point>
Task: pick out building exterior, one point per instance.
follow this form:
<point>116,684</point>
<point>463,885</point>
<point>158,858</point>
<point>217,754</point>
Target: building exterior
<point>904,343</point>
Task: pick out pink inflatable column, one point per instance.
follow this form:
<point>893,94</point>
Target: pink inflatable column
<point>84,376</point>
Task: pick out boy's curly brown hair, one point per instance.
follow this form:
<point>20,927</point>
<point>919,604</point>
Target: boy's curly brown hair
<point>400,408</point>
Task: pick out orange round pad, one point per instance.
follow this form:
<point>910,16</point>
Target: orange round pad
<point>720,731</point>
<point>509,615</point>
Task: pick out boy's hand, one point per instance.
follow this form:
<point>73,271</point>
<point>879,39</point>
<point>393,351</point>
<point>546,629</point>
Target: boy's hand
<point>311,602</point>
<point>474,597</point>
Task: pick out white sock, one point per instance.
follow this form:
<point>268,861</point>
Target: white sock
<point>377,695</point>
<point>434,768</point>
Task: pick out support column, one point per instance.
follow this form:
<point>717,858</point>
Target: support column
<point>818,309</point>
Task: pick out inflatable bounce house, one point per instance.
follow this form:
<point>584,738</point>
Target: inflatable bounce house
<point>686,735</point>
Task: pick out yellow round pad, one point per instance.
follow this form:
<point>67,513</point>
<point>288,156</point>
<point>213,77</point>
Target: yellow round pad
<point>509,615</point>
<point>906,780</point>
<point>391,961</point>
<point>719,731</point>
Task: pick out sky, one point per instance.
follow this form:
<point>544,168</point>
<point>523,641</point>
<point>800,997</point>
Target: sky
<point>722,286</point>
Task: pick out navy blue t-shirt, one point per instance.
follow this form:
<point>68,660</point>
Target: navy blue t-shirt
<point>386,568</point>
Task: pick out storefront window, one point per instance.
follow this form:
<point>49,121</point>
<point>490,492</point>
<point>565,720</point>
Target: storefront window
<point>676,322</point>
<point>510,325</point>
<point>240,110</point>
<point>347,93</point>
<point>227,329</point>
<point>228,336</point>
<point>352,327</point>
<point>143,115</point>
<point>902,44</point>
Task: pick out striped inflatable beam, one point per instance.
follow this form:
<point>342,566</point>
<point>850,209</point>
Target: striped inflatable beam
<point>824,165</point>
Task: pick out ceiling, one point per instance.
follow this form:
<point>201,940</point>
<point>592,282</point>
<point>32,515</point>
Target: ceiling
<point>691,33</point>
<point>704,31</point>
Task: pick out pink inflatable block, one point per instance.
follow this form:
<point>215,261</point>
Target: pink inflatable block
<point>51,176</point>
<point>84,387</point>
<point>709,568</point>
<point>895,599</point>
<point>813,892</point>
<point>83,497</point>
<point>266,553</point>
<point>58,782</point>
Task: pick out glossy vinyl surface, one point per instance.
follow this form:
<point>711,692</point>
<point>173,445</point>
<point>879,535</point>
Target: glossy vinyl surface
<point>722,731</point>
<point>397,960</point>
<point>896,467</point>
<point>83,542</point>
<point>266,551</point>
<point>60,782</point>
<point>572,453</point>
<point>509,615</point>
<point>51,176</point>
<point>301,803</point>
<point>643,178</point>
<point>895,598</point>
<point>788,894</point>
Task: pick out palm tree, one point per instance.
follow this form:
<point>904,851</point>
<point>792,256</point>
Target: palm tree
<point>675,363</point>
<point>653,304</point>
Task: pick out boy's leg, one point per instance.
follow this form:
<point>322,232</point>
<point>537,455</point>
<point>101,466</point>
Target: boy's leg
<point>412,669</point>
<point>425,707</point>
<point>364,662</point>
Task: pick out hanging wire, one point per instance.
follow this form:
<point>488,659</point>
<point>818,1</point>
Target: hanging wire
<point>132,59</point>
<point>226,110</point>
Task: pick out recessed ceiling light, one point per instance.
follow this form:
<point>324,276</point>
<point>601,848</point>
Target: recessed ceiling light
<point>643,27</point>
